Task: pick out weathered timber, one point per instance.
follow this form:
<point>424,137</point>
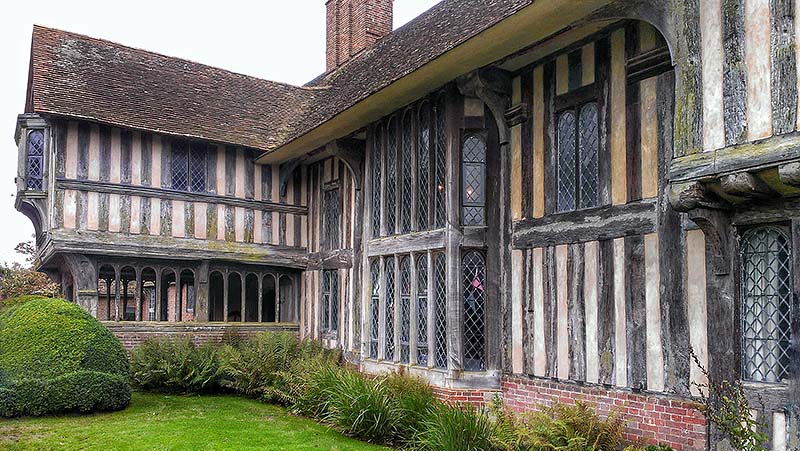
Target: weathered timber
<point>166,163</point>
<point>147,159</point>
<point>401,244</point>
<point>145,216</point>
<point>794,356</point>
<point>550,156</point>
<point>606,313</point>
<point>784,66</point>
<point>230,223</point>
<point>105,153</point>
<point>734,76</point>
<point>576,324</point>
<point>790,173</point>
<point>602,77</point>
<point>212,221</point>
<point>684,197</point>
<point>249,225</point>
<point>744,184</point>
<point>166,217</point>
<point>58,209</point>
<point>81,209</point>
<point>633,121</point>
<point>102,211</point>
<point>125,156</point>
<point>634,218</point>
<point>518,114</point>
<point>249,176</point>
<point>84,133</point>
<point>636,312</point>
<point>549,302</point>
<point>124,213</point>
<point>169,194</point>
<point>648,64</point>
<point>127,246</point>
<point>337,259</point>
<point>526,159</point>
<point>575,69</point>
<point>230,171</point>
<point>689,83</point>
<point>189,219</point>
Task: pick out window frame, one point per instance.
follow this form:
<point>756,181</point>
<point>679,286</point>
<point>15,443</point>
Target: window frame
<point>331,216</point>
<point>576,101</point>
<point>482,135</point>
<point>784,229</point>
<point>41,158</point>
<point>189,151</point>
<point>329,302</point>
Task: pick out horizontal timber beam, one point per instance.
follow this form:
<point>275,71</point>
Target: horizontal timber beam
<point>607,222</point>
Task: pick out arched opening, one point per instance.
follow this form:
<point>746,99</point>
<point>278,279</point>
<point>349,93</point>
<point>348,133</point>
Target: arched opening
<point>188,296</point>
<point>268,307</point>
<point>127,277</point>
<point>106,292</point>
<point>216,297</point>
<point>287,303</point>
<point>234,300</point>
<point>148,295</point>
<point>166,304</point>
<point>251,298</point>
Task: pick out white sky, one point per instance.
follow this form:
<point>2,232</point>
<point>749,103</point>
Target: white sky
<point>272,39</point>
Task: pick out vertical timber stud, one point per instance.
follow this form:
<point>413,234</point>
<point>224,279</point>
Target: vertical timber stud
<point>793,407</point>
<point>784,66</point>
<point>689,85</point>
<point>454,233</point>
<point>576,314</point>
<point>734,87</point>
<point>636,312</point>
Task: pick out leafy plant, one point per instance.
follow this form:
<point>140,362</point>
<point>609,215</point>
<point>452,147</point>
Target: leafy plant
<point>361,407</point>
<point>449,428</point>
<point>414,401</point>
<point>575,427</point>
<point>176,365</point>
<point>727,409</point>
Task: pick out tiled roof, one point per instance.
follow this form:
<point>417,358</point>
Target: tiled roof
<point>78,76</point>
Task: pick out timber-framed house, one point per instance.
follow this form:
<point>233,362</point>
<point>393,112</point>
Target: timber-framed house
<point>542,199</point>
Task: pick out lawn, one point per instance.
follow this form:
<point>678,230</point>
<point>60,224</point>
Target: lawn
<point>165,422</point>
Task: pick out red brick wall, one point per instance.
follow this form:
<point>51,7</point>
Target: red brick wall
<point>134,334</point>
<point>354,25</point>
<point>652,418</point>
<point>464,396</point>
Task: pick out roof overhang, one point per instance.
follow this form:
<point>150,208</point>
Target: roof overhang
<point>534,23</point>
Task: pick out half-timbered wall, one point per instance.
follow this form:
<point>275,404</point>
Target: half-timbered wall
<point>121,181</point>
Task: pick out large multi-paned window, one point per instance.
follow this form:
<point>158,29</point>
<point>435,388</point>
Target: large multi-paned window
<point>374,308</point>
<point>331,218</point>
<point>405,309</point>
<point>388,350</point>
<point>576,164</point>
<point>34,167</point>
<point>766,303</point>
<point>422,310</point>
<point>440,311</point>
<point>329,300</point>
<point>473,181</point>
<point>189,167</point>
<point>473,266</point>
<point>408,170</point>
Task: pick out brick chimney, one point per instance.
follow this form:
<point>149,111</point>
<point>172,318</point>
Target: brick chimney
<point>353,26</point>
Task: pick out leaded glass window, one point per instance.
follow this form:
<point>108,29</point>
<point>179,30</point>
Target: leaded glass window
<point>329,310</point>
<point>331,218</point>
<point>406,172</point>
<point>405,309</point>
<point>377,155</point>
<point>423,166</point>
<point>35,161</point>
<point>440,173</point>
<point>577,179</point>
<point>766,305</point>
<point>440,311</point>
<point>422,310</point>
<point>474,276</point>
<point>197,168</point>
<point>391,176</point>
<point>374,308</point>
<point>389,321</point>
<point>473,179</point>
<point>180,168</point>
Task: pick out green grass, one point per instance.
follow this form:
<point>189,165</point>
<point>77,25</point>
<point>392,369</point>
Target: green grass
<point>167,422</point>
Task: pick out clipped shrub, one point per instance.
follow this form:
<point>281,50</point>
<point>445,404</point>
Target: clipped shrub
<point>361,407</point>
<point>570,427</point>
<point>449,428</point>
<point>55,357</point>
<point>176,365</point>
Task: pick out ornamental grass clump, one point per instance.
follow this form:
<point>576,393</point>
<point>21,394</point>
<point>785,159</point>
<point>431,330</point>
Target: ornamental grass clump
<point>577,427</point>
<point>361,407</point>
<point>176,365</point>
<point>462,428</point>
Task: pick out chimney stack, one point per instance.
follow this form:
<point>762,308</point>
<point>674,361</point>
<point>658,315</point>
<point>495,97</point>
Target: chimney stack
<point>353,26</point>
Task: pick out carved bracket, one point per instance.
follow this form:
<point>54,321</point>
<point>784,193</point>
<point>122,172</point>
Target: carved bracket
<point>493,87</point>
<point>690,195</point>
<point>745,184</point>
<point>790,173</point>
<point>715,225</point>
<point>518,114</point>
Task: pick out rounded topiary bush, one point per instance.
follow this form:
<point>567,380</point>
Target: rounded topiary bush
<point>55,357</point>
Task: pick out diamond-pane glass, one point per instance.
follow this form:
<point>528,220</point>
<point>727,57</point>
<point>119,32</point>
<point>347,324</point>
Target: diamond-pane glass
<point>566,178</point>
<point>440,173</point>
<point>422,310</point>
<point>325,301</point>
<point>406,173</point>
<point>474,272</point>
<point>35,160</point>
<point>334,300</point>
<point>374,308</point>
<point>390,291</point>
<point>391,176</point>
<point>180,168</point>
<point>766,304</point>
<point>405,309</point>
<point>377,154</point>
<point>331,217</point>
<point>473,177</point>
<point>197,168</point>
<point>423,167</point>
<point>440,311</point>
<point>588,147</point>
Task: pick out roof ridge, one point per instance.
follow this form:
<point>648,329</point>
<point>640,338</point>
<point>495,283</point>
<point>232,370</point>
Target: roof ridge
<point>46,29</point>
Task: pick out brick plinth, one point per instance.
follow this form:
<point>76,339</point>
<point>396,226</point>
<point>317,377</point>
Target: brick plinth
<point>477,398</point>
<point>650,418</point>
<point>134,334</point>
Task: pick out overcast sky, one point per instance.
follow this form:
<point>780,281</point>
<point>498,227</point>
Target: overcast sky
<point>275,39</point>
